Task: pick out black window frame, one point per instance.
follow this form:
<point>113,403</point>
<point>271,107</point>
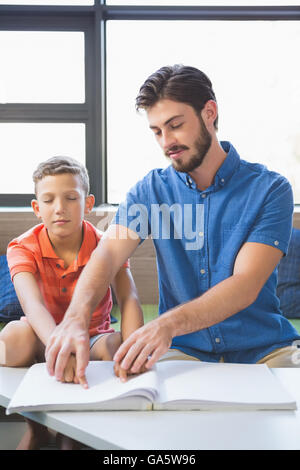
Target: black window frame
<point>91,20</point>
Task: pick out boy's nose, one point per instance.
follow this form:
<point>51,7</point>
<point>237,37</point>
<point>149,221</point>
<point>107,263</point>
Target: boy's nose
<point>59,207</point>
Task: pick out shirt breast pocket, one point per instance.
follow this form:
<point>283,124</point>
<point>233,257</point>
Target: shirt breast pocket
<point>233,239</point>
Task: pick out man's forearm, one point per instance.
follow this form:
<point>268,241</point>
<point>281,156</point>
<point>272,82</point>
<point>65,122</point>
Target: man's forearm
<point>113,250</point>
<point>91,287</point>
<point>220,302</point>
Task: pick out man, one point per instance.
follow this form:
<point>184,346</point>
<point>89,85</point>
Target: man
<point>220,226</point>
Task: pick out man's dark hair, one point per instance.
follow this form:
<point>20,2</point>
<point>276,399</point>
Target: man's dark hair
<point>180,83</point>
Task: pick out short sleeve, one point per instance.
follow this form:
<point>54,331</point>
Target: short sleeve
<point>20,259</point>
<point>133,213</point>
<point>273,225</point>
<point>127,264</point>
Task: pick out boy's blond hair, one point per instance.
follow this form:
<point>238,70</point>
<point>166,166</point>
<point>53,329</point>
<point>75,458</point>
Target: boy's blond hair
<point>58,166</point>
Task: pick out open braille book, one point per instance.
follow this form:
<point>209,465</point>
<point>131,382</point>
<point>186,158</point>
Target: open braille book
<point>170,385</point>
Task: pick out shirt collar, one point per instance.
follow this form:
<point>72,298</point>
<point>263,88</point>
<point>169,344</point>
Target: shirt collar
<point>89,243</point>
<point>45,244</point>
<point>225,171</point>
<point>229,165</point>
<point>186,178</point>
<point>90,240</point>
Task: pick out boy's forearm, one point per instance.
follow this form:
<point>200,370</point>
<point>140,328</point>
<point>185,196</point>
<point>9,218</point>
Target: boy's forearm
<point>128,301</point>
<point>131,317</point>
<point>29,295</point>
<point>41,322</point>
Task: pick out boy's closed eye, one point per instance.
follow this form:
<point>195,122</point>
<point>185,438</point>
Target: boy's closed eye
<point>68,198</point>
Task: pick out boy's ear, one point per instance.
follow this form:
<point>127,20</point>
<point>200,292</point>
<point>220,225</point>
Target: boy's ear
<point>89,203</point>
<point>36,208</point>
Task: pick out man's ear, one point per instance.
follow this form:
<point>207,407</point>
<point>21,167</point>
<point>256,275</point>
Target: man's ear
<point>36,208</point>
<point>89,203</point>
<point>209,114</point>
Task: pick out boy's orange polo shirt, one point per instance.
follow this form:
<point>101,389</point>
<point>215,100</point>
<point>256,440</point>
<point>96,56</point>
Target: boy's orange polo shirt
<point>32,252</point>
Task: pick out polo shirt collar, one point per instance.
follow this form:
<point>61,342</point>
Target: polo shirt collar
<point>45,244</point>
<point>225,171</point>
<point>89,243</point>
<point>89,240</point>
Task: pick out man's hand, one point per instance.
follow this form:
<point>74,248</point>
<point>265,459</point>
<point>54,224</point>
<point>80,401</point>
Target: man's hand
<point>143,348</point>
<point>69,337</point>
<point>124,374</point>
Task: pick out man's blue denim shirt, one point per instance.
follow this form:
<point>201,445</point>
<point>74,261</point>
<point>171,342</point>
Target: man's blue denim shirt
<point>197,235</point>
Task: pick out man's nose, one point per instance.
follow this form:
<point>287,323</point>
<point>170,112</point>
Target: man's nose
<point>168,140</point>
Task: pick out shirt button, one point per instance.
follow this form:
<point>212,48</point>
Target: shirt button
<point>203,196</point>
<point>201,234</point>
<point>64,289</point>
<point>202,271</point>
<point>222,180</point>
<point>217,340</point>
<point>58,265</point>
<point>276,243</point>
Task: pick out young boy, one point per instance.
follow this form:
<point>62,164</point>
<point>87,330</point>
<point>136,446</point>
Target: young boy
<point>45,264</point>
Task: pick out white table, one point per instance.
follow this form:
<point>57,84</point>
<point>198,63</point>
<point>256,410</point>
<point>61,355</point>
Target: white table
<point>169,430</point>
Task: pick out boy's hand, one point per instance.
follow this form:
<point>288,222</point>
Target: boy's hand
<point>70,371</point>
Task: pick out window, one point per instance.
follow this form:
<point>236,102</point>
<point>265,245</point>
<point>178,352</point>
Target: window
<point>71,70</point>
<point>255,76</point>
<point>47,2</point>
<point>36,142</point>
<point>42,67</point>
<point>202,3</point>
<point>47,95</point>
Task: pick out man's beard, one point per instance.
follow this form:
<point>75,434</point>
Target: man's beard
<point>202,145</point>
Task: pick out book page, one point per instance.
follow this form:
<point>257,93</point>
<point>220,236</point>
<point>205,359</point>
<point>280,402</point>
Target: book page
<point>249,385</point>
<point>41,391</point>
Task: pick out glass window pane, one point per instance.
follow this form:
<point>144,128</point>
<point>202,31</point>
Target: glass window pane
<point>205,3</point>
<point>24,146</point>
<point>255,75</point>
<point>42,67</point>
<point>47,2</point>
